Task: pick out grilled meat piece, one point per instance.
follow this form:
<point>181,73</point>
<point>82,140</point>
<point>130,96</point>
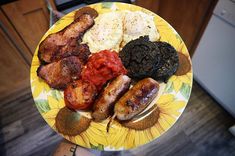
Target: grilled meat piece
<point>136,99</point>
<point>104,105</point>
<point>58,74</point>
<point>65,42</point>
<point>72,48</point>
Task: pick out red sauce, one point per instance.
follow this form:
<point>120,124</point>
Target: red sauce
<point>103,66</point>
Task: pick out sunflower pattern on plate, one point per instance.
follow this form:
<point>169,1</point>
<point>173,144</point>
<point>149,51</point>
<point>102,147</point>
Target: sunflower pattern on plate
<point>169,106</point>
<point>182,79</point>
<point>169,109</point>
<point>91,138</point>
<point>38,86</point>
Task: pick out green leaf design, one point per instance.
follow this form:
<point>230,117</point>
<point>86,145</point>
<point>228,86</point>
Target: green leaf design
<point>107,5</point>
<point>169,87</point>
<point>99,147</point>
<point>56,94</point>
<point>42,105</point>
<point>185,90</point>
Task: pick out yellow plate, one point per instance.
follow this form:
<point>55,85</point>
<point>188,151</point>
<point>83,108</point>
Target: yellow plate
<point>170,104</point>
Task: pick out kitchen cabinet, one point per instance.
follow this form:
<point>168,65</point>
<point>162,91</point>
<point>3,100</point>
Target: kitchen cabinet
<point>22,24</point>
<point>29,18</point>
<point>188,18</point>
<point>13,68</point>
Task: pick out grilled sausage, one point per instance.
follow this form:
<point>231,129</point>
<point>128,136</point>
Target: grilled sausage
<point>104,105</point>
<point>136,99</point>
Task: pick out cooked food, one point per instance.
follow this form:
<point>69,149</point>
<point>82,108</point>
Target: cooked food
<point>169,62</point>
<point>109,66</point>
<point>57,45</point>
<point>140,57</point>
<point>138,24</point>
<point>106,33</point>
<point>86,10</point>
<point>104,105</point>
<point>143,58</point>
<point>115,29</point>
<point>72,48</point>
<point>58,74</point>
<point>101,67</point>
<point>80,95</point>
<point>136,99</point>
<point>71,123</point>
<point>144,123</point>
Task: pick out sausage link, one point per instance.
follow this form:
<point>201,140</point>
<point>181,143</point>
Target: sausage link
<point>136,99</point>
<point>104,105</point>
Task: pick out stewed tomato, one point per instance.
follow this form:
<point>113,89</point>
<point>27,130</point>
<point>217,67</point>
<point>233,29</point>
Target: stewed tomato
<point>103,66</point>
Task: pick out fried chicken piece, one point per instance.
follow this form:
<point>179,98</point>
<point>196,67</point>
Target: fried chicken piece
<point>59,74</point>
<point>66,42</point>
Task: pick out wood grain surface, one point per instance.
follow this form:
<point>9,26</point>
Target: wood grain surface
<point>201,130</point>
<point>29,18</point>
<point>14,75</point>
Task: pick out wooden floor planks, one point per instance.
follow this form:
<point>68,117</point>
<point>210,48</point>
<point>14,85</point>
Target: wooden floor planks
<point>201,130</point>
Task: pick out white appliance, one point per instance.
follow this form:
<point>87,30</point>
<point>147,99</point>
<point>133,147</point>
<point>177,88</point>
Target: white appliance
<point>214,58</point>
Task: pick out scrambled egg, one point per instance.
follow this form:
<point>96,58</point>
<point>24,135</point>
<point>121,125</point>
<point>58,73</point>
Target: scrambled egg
<point>106,33</point>
<point>115,29</point>
<point>138,24</point>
